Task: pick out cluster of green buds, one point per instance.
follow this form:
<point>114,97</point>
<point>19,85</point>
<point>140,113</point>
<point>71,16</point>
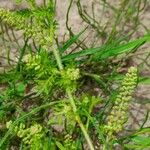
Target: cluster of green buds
<point>32,61</point>
<point>20,23</point>
<point>30,136</point>
<point>69,77</point>
<point>69,142</point>
<point>73,74</point>
<point>40,63</point>
<point>12,18</point>
<point>118,115</point>
<point>17,21</point>
<point>37,33</point>
<point>45,72</point>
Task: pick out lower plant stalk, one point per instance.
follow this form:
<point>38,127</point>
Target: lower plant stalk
<point>77,117</point>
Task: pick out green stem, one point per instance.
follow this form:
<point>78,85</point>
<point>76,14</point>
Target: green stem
<point>77,117</point>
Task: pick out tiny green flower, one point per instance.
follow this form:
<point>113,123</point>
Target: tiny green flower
<point>8,124</point>
<point>118,115</point>
<point>69,78</point>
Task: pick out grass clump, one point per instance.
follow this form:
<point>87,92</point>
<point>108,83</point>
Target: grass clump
<point>45,102</point>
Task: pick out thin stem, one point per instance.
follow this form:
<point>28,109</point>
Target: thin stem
<point>78,119</point>
<point>67,18</point>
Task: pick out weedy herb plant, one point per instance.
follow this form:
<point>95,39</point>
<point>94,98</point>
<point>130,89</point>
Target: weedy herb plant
<point>43,101</point>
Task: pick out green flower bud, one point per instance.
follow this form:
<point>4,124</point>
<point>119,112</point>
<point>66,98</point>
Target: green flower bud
<point>8,124</point>
<point>118,115</point>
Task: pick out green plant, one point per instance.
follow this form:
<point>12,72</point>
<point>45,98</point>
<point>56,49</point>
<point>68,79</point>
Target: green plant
<point>45,104</point>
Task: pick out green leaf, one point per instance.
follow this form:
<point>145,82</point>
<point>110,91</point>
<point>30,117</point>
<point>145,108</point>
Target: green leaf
<point>60,146</point>
<point>71,41</point>
<point>139,142</point>
<point>83,53</point>
<point>21,88</point>
<point>124,48</point>
<point>107,51</point>
<point>144,80</point>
